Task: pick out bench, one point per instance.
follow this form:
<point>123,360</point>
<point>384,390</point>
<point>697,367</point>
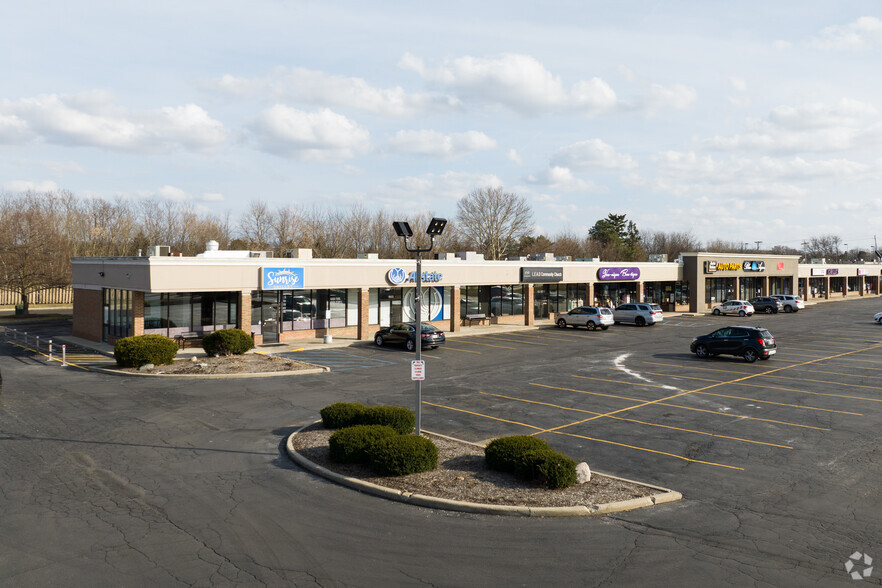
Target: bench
<point>475,317</point>
<point>184,337</point>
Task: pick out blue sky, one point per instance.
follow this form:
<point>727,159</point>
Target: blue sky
<point>741,121</point>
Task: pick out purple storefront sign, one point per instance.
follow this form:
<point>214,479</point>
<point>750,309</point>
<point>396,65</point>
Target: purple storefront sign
<point>833,271</point>
<point>607,274</point>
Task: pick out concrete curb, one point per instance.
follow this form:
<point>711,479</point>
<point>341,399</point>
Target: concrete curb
<point>316,370</point>
<point>666,495</point>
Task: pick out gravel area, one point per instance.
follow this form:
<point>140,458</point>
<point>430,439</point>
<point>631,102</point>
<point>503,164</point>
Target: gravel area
<point>462,475</point>
<point>248,363</point>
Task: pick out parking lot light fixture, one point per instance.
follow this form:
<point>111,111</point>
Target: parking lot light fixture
<point>402,229</point>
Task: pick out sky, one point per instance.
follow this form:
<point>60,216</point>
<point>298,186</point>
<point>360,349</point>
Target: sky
<point>742,121</point>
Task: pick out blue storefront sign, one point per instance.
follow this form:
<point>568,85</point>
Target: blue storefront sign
<point>281,278</point>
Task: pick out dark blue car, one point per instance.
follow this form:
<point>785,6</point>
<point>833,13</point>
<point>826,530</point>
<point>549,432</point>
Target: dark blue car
<point>404,334</point>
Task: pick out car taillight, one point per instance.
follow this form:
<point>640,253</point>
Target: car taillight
<point>761,342</point>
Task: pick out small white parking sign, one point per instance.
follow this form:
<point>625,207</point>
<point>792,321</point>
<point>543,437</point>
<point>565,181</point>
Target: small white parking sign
<point>418,369</point>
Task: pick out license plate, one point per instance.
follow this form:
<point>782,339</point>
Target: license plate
<point>772,351</point>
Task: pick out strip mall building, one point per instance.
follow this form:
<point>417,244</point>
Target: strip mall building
<point>291,298</point>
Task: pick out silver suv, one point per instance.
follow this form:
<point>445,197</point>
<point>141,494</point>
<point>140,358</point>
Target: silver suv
<point>639,313</point>
<point>589,317</point>
<point>790,302</point>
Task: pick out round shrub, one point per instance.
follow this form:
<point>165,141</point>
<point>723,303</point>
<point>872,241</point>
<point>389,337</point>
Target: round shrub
<point>556,470</point>
<point>507,454</point>
<point>227,342</point>
<point>352,444</point>
<point>399,418</point>
<point>403,454</point>
<point>342,414</point>
<point>144,349</point>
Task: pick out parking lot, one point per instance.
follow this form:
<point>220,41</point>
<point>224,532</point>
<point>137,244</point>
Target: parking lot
<point>173,481</point>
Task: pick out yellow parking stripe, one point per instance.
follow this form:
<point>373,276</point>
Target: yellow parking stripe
<point>584,437</point>
<point>726,414</point>
<point>55,356</point>
<point>638,422</point>
<point>767,387</point>
<point>622,382</point>
<point>449,348</point>
<point>496,338</point>
<point>827,382</point>
<point>485,344</point>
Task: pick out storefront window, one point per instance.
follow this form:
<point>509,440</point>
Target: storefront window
<point>718,290</point>
<point>117,313</point>
<point>750,288</point>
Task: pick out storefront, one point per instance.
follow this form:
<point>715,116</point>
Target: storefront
<point>299,297</point>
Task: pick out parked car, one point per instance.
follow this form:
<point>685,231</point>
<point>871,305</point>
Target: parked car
<point>589,317</point>
<point>639,313</point>
<point>403,334</point>
<point>789,302</point>
<point>739,307</point>
<point>766,304</point>
<point>878,317</point>
<point>751,343</point>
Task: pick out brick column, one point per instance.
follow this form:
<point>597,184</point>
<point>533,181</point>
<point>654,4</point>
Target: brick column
<point>137,313</point>
<point>765,285</point>
<point>589,294</point>
<point>455,303</point>
<point>639,292</point>
<point>529,301</point>
<point>862,284</point>
<point>737,288</point>
<point>826,287</point>
<point>364,320</point>
<point>243,314</point>
<point>88,314</point>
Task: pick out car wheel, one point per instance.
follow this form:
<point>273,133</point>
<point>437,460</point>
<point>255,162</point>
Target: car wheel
<point>640,321</point>
<point>741,313</point>
<point>410,345</point>
<point>605,327</point>
<point>788,309</point>
<point>590,326</point>
<point>561,323</point>
<point>880,320</point>
<point>379,341</point>
<point>750,355</point>
<point>702,352</point>
<point>716,312</point>
<point>769,310</point>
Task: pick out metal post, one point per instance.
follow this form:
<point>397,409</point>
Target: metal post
<point>417,307</point>
<point>64,355</point>
<point>26,338</point>
<point>38,344</point>
<point>50,349</point>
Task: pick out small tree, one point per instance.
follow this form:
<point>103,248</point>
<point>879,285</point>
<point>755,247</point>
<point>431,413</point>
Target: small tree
<point>494,220</point>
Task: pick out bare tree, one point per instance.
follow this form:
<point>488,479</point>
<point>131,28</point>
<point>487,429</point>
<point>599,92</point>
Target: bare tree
<point>824,246</point>
<point>256,225</point>
<point>34,253</point>
<point>494,220</point>
<point>671,244</point>
<point>287,228</point>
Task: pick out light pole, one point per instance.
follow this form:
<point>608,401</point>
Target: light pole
<point>402,229</point>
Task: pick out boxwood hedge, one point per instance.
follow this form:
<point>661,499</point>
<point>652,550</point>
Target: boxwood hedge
<point>342,414</point>
<point>532,459</point>
<point>227,342</point>
<point>403,454</point>
<point>399,418</point>
<point>353,444</point>
<point>144,349</point>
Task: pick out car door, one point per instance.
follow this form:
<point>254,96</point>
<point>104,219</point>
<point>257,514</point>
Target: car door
<point>719,341</point>
<point>399,333</point>
<point>625,313</point>
<point>738,338</point>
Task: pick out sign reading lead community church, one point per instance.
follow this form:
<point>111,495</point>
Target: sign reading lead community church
<point>281,278</point>
<point>541,274</point>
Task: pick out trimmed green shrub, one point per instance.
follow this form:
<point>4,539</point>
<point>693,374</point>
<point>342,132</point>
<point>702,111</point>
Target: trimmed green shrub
<point>353,444</point>
<point>506,454</point>
<point>144,349</point>
<point>342,414</point>
<point>399,418</point>
<point>403,454</point>
<point>227,342</point>
<point>531,459</point>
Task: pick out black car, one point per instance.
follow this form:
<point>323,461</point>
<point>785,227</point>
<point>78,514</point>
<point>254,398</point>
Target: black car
<point>766,304</point>
<point>751,343</point>
<point>403,334</point>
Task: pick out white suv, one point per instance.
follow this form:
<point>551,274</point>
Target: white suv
<point>789,302</point>
<point>589,317</point>
<point>739,307</point>
<point>639,313</point>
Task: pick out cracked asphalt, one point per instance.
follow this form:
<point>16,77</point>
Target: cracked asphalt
<point>110,481</point>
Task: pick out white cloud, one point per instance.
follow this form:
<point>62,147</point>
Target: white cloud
<point>93,119</point>
<point>298,84</point>
<point>848,124</point>
<point>676,96</point>
<point>781,45</point>
<point>212,197</point>
<point>514,157</point>
<point>738,84</point>
<point>431,192</point>
<point>426,142</point>
<point>591,155</point>
<point>863,33</point>
<point>13,130</point>
<point>561,178</point>
<point>172,193</point>
<point>518,82</point>
<point>322,136</point>
<point>17,186</point>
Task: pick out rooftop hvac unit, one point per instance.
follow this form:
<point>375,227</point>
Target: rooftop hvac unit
<point>658,257</point>
<point>158,251</point>
<point>261,254</point>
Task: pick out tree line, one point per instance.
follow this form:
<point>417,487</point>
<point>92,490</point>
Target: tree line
<point>41,232</point>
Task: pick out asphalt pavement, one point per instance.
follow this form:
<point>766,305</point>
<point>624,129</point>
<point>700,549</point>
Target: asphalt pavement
<point>106,480</point>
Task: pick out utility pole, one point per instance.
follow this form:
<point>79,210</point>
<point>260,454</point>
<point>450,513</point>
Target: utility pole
<point>757,244</point>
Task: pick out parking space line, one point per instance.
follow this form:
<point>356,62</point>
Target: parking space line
<point>497,338</point>
<point>622,382</point>
<point>812,393</point>
<point>802,406</point>
<point>827,382</point>
<point>638,422</point>
<point>853,375</point>
<point>449,348</point>
<point>485,344</point>
<point>719,465</point>
<point>55,357</point>
<point>539,430</point>
<point>716,412</point>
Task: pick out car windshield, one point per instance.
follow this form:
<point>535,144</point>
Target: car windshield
<point>428,329</point>
<point>655,307</point>
<point>765,334</point>
<point>605,310</point>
